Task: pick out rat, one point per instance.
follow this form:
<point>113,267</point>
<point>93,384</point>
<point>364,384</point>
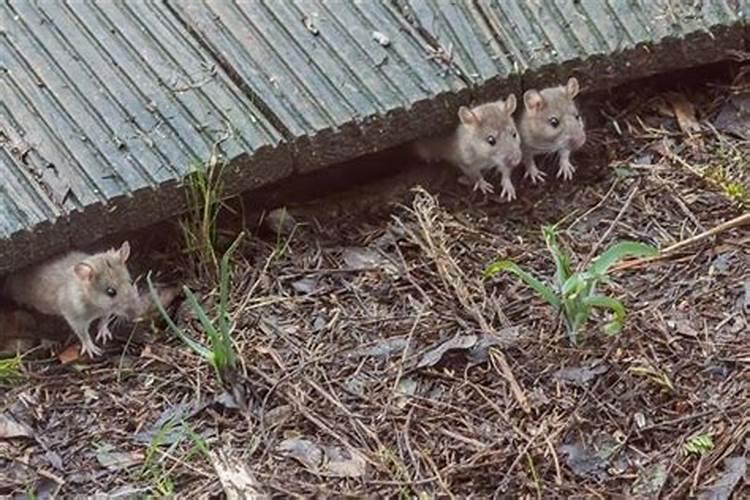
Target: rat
<point>485,139</point>
<point>81,288</point>
<point>550,122</point>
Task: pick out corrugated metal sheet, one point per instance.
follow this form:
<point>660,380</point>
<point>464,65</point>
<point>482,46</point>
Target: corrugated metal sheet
<point>106,104</point>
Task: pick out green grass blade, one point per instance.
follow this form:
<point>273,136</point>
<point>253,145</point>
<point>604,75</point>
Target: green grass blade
<point>562,263</point>
<point>614,305</point>
<point>192,344</point>
<point>618,252</point>
<point>205,321</point>
<point>224,286</point>
<point>505,265</point>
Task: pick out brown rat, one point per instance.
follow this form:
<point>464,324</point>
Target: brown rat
<point>549,122</point>
<point>486,138</point>
<point>81,288</point>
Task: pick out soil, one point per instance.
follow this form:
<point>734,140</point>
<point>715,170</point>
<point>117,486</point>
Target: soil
<point>375,360</point>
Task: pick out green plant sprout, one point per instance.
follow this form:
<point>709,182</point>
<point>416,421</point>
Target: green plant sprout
<point>10,369</point>
<point>204,189</point>
<point>698,445</point>
<point>574,294</point>
<point>220,352</point>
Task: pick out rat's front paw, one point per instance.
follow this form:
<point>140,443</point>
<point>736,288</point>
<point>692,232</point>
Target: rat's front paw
<point>104,334</point>
<point>534,174</point>
<point>90,349</point>
<point>483,186</point>
<point>566,170</point>
<point>509,191</point>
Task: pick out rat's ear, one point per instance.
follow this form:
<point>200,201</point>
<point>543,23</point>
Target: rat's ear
<point>467,116</point>
<point>510,104</point>
<point>124,252</point>
<point>84,272</point>
<point>572,87</point>
<point>533,100</point>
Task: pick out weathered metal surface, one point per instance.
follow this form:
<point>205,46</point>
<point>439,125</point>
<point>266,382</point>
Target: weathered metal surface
<point>105,105</point>
<point>321,70</point>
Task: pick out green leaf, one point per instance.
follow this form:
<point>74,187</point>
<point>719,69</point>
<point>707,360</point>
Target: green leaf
<point>192,344</point>
<point>225,274</point>
<point>208,326</point>
<point>505,265</point>
<point>613,305</point>
<point>618,252</point>
<point>562,263</point>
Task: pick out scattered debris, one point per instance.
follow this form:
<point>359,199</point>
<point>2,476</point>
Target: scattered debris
<point>280,222</point>
<point>650,480</point>
<point>116,460</point>
<point>475,348</point>
<point>460,343</point>
<point>684,111</point>
<point>734,116</point>
<point>582,376</point>
<point>305,285</point>
<point>309,23</point>
<point>379,37</point>
<point>735,469</point>
<point>237,481</point>
<point>591,461</point>
<point>365,259</point>
<point>12,428</point>
<point>382,349</point>
<point>324,460</point>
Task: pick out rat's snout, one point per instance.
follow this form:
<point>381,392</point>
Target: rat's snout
<point>514,158</point>
<point>578,139</point>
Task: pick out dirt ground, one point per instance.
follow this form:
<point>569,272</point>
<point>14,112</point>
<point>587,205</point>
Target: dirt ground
<point>372,351</point>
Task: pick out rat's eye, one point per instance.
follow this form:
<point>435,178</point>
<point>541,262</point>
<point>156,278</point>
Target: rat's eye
<point>554,122</point>
<point>578,116</point>
<point>491,140</point>
<point>514,134</point>
<point>111,291</point>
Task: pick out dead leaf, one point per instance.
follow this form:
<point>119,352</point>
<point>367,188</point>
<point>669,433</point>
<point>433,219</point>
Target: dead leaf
<point>684,111</point>
<point>382,349</point>
<point>650,480</point>
<point>503,339</point>
<point>72,353</point>
<point>325,460</point>
<point>407,387</point>
<point>734,116</point>
<point>590,461</point>
<point>280,222</point>
<point>735,469</point>
<point>12,428</point>
<point>236,479</point>
<point>305,285</point>
<point>436,355</point>
<point>581,376</point>
<point>116,460</point>
<point>360,258</point>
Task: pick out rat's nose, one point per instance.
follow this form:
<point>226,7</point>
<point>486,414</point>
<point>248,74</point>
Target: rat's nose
<point>578,140</point>
<point>514,158</point>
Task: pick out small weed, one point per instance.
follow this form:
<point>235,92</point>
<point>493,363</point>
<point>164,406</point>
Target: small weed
<point>204,191</point>
<point>220,352</point>
<point>700,444</point>
<point>10,369</point>
<point>153,470</point>
<point>574,294</point>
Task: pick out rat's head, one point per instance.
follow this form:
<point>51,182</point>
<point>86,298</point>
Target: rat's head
<point>491,132</point>
<point>551,120</point>
<point>106,282</point>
